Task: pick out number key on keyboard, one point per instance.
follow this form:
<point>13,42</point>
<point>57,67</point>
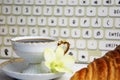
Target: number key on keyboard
<point>7,1</point>
<point>29,2</point>
<point>6,9</point>
<point>96,2</point>
<point>61,2</point>
<point>50,2</point>
<point>84,2</point>
<point>18,2</point>
<point>72,2</point>
<point>17,10</point>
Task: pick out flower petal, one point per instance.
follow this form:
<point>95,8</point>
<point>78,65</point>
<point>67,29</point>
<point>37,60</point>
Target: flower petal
<point>49,54</point>
<point>59,52</point>
<point>68,61</point>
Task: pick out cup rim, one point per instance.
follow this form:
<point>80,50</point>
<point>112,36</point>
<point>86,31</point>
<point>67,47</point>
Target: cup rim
<point>31,37</point>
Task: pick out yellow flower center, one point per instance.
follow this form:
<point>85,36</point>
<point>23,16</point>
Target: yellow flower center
<point>56,65</point>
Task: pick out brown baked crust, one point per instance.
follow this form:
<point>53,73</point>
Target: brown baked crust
<point>80,75</point>
<point>104,68</point>
<point>89,72</point>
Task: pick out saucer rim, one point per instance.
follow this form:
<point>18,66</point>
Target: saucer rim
<point>2,65</point>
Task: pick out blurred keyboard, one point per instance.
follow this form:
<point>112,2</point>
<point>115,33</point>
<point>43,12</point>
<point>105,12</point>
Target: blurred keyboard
<point>91,26</point>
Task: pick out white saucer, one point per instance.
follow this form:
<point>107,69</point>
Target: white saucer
<point>14,67</point>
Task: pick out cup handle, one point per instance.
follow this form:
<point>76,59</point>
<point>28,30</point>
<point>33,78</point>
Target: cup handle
<point>65,43</point>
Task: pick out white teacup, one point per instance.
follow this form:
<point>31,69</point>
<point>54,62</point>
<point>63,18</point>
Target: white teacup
<point>31,48</point>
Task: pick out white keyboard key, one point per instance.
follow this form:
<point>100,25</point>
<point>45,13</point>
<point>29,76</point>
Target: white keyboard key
<point>18,2</point>
<point>86,33</point>
<point>98,33</point>
<point>85,22</point>
<point>6,52</point>
<point>6,9</point>
<point>27,10</point>
<point>108,22</point>
<point>84,2</point>
<point>62,21</point>
<point>114,11</point>
<point>79,11</point>
<point>39,2</point>
<point>108,2</point>
<point>65,32</point>
<point>31,21</point>
<point>58,11</point>
<point>33,31</point>
<point>13,30</point>
<point>102,11</point>
<point>112,34</point>
<point>1,40</point>
<point>117,2</point>
<point>61,2</point>
<point>96,22</point>
<point>50,2</point>
<point>47,10</point>
<point>3,30</point>
<point>73,22</point>
<point>117,22</point>
<point>68,11</point>
<point>54,32</point>
<point>81,44</point>
<point>42,21</point>
<point>17,10</point>
<point>21,20</point>
<point>73,53</point>
<point>23,31</point>
<point>75,33</point>
<point>44,32</point>
<point>96,2</point>
<point>92,44</point>
<point>11,20</point>
<point>83,56</point>
<point>7,1</point>
<point>108,45</point>
<point>72,43</point>
<point>52,21</point>
<point>2,20</point>
<point>37,10</point>
<point>91,11</point>
<point>7,41</point>
<point>72,2</point>
<point>29,2</point>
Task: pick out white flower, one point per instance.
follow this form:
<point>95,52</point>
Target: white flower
<point>56,61</point>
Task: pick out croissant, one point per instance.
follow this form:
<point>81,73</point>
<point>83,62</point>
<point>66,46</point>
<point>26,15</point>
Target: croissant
<point>105,68</point>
